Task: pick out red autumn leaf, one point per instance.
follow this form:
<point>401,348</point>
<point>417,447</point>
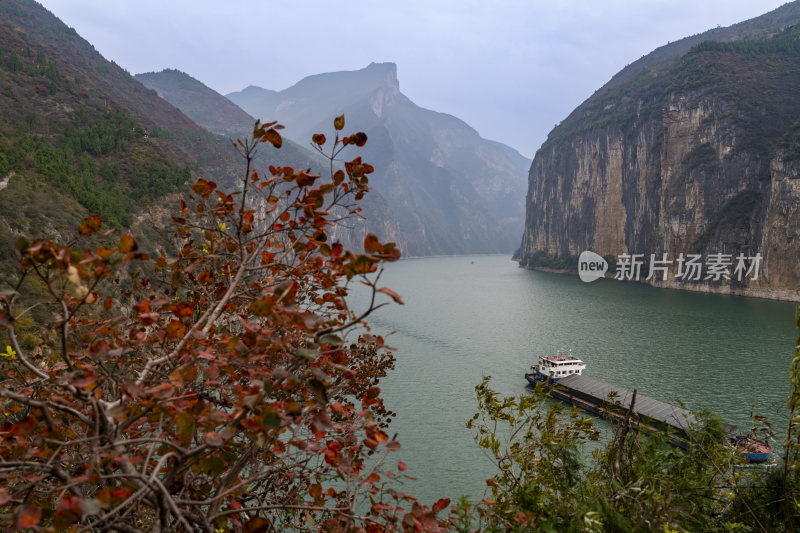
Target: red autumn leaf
<point>148,318</point>
<point>213,440</point>
<point>257,525</point>
<point>393,446</point>
<point>372,244</point>
<point>359,139</point>
<point>318,138</point>
<point>273,344</point>
<point>338,122</point>
<point>175,329</point>
<point>89,226</point>
<point>273,137</point>
<point>392,294</point>
<point>28,515</point>
<point>176,378</point>
<point>104,252</point>
<point>83,379</point>
<point>127,244</point>
<point>185,427</point>
<point>68,511</point>
<point>180,309</point>
<point>204,188</point>
<point>304,180</point>
<point>441,504</point>
<point>143,306</point>
<point>122,493</point>
<point>160,391</point>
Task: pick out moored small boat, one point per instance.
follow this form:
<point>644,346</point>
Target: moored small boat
<point>753,449</point>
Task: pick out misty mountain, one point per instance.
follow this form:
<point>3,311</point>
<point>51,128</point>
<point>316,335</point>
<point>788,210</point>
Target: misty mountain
<point>218,114</point>
<point>451,191</point>
<point>202,104</point>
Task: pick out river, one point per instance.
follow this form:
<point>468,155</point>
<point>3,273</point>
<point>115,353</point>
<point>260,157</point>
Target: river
<point>472,316</point>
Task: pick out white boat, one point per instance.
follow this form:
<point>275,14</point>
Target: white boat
<point>555,367</point>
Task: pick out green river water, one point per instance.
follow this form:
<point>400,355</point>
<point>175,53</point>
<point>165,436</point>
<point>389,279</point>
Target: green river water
<point>472,316</point>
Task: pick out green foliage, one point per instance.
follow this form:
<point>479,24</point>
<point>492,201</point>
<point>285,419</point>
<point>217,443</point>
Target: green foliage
<point>86,162</point>
<point>33,67</point>
<point>701,155</point>
<point>103,137</point>
<point>13,63</point>
<point>784,42</point>
<point>536,446</point>
<point>540,259</point>
<point>755,81</point>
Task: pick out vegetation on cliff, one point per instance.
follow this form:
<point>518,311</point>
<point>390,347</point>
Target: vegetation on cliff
<point>81,137</point>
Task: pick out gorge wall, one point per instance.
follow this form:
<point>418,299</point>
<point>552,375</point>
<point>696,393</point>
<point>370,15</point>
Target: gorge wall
<point>696,156</point>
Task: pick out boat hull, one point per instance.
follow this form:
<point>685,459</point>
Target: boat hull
<point>753,449</point>
<point>535,378</point>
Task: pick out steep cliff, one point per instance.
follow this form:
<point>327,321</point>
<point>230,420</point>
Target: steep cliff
<point>696,153</point>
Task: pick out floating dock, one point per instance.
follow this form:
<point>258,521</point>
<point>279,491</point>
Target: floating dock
<point>601,399</point>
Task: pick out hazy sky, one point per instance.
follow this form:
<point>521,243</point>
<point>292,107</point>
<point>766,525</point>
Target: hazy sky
<point>511,69</point>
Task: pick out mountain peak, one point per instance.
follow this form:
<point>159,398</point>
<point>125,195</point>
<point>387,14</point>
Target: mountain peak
<point>384,76</point>
<point>385,73</point>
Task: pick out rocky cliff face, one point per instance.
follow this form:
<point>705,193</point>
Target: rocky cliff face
<point>696,158</point>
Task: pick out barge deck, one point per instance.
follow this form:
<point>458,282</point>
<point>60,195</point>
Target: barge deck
<point>596,397</point>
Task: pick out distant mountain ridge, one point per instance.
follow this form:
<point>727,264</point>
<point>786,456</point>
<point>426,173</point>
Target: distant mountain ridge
<point>212,111</point>
<point>218,114</point>
<point>202,104</point>
<point>451,191</point>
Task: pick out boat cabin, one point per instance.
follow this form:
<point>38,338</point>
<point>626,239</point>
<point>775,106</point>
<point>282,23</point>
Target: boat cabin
<point>559,366</point>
